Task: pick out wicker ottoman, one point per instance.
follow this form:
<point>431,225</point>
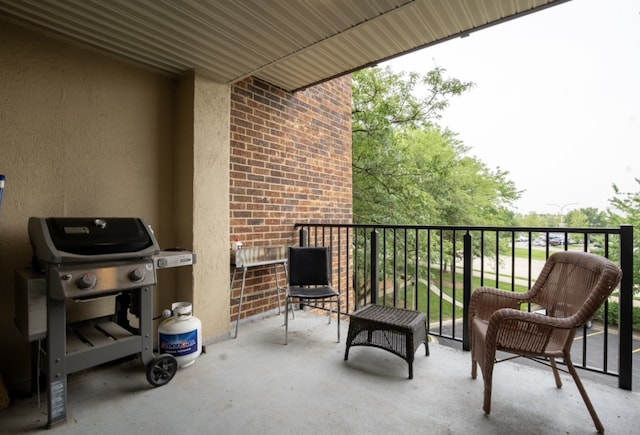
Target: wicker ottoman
<point>395,330</point>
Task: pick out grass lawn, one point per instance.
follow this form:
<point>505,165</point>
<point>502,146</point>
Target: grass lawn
<point>433,300</point>
<point>430,301</point>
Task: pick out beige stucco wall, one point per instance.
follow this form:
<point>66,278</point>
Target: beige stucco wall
<point>211,205</point>
<point>202,199</point>
<point>85,134</point>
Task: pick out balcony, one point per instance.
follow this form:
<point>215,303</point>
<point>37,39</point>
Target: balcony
<point>255,384</point>
<point>434,269</point>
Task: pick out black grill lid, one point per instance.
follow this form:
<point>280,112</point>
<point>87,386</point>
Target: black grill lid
<point>62,239</point>
<point>94,236</point>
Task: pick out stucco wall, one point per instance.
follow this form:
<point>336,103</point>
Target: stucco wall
<point>211,205</point>
<point>82,135</point>
<point>86,134</point>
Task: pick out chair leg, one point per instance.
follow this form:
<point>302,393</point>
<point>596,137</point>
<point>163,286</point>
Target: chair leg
<point>556,374</point>
<point>474,362</point>
<point>338,319</point>
<point>286,319</point>
<point>583,393</point>
<point>275,272</point>
<point>487,393</point>
<point>487,376</point>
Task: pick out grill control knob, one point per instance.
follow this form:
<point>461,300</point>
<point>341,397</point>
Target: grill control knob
<point>86,281</point>
<point>137,274</point>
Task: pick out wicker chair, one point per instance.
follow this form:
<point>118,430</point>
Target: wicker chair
<point>571,287</point>
<point>310,278</point>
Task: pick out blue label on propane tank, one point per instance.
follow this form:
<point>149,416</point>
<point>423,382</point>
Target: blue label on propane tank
<point>179,344</point>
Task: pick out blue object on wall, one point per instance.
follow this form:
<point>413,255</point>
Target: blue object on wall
<point>2,178</point>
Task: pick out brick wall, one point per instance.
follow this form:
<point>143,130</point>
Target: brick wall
<point>290,162</point>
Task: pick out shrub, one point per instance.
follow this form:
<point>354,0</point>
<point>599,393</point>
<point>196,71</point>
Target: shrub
<point>614,315</point>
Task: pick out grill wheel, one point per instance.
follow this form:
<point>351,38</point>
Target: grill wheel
<point>161,370</point>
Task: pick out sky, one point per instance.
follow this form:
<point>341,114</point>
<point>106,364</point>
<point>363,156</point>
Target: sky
<point>556,101</point>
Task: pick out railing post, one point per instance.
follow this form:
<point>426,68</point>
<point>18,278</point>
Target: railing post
<point>374,267</point>
<point>303,237</point>
<point>626,307</point>
<point>467,255</point>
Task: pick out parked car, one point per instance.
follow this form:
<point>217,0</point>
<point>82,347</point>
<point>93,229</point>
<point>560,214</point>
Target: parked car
<point>556,241</point>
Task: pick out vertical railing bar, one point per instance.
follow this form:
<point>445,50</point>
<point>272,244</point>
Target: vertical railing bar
<point>513,261</point>
<point>384,266</point>
<point>348,260</point>
<point>405,267</point>
<point>416,277</point>
<point>339,264</point>
<point>366,264</point>
<point>605,349</point>
<point>428,295</point>
<point>356,267</point>
<point>367,259</point>
<point>626,307</point>
<point>375,255</point>
<point>366,272</point>
<point>482,233</point>
<point>547,243</point>
<point>497,259</point>
<point>605,343</point>
<point>303,236</point>
<point>385,271</point>
<point>467,254</point>
<point>441,282</point>
<point>530,260</point>
<point>453,283</point>
<point>394,265</point>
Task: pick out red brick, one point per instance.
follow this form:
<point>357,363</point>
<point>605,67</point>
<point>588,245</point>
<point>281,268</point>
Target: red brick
<point>290,162</point>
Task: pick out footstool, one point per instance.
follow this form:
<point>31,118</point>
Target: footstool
<point>395,330</point>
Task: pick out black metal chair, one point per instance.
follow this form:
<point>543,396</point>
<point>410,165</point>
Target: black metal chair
<point>310,279</point>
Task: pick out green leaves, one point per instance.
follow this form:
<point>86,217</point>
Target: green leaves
<point>406,169</point>
<point>627,205</point>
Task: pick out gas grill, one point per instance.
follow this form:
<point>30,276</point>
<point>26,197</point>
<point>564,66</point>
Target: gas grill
<point>86,259</point>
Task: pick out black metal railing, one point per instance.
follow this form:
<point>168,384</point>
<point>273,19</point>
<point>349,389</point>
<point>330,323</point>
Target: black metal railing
<point>434,269</point>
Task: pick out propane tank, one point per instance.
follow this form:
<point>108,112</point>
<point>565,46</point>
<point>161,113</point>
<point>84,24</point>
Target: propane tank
<point>180,334</point>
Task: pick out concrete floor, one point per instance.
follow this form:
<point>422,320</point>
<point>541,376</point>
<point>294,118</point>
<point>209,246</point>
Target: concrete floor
<point>256,385</point>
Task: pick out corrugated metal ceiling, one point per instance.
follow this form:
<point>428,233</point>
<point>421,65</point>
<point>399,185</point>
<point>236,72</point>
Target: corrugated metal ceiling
<point>290,43</point>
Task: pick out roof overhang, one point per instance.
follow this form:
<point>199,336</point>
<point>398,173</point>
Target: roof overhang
<point>292,44</point>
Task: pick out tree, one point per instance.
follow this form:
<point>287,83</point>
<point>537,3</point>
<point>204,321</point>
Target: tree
<point>595,217</point>
<point>532,220</point>
<point>577,219</point>
<point>628,204</point>
<point>406,169</point>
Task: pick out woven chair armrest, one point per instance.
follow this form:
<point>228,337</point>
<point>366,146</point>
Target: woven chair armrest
<point>541,320</point>
<point>524,332</point>
<point>486,300</point>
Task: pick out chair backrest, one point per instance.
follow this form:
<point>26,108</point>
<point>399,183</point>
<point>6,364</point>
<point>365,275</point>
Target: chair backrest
<point>575,283</point>
<point>309,266</point>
